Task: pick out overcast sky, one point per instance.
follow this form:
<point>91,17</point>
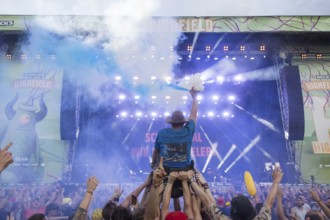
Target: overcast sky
<point>167,7</point>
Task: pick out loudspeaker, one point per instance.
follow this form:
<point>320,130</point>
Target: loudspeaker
<point>68,110</point>
<point>291,90</point>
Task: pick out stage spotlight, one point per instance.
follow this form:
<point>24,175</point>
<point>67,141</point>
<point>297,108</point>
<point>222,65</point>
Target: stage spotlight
<point>136,97</point>
<point>238,78</point>
<point>215,98</point>
<point>318,56</point>
<point>199,97</point>
<point>220,79</point>
<point>231,98</point>
<point>118,78</point>
<point>153,97</point>
<point>135,78</point>
<point>215,58</point>
<point>252,58</point>
<point>167,97</point>
<point>242,48</point>
<point>262,48</point>
<point>153,77</point>
<point>153,114</point>
<point>233,58</point>
<point>123,114</point>
<point>225,114</point>
<point>23,56</point>
<point>210,114</point>
<point>207,48</point>
<point>166,114</point>
<point>184,97</point>
<point>138,114</point>
<point>225,48</point>
<point>121,97</point>
<point>303,56</point>
<point>8,56</point>
<point>189,48</point>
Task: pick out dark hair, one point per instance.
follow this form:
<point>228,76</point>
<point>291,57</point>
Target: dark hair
<point>121,213</point>
<point>51,206</point>
<point>313,215</point>
<point>38,216</point>
<point>258,206</point>
<point>108,210</point>
<point>242,209</point>
<point>138,214</point>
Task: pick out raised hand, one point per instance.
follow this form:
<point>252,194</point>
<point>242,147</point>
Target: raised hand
<point>158,174</point>
<point>277,175</point>
<point>172,177</point>
<point>118,192</point>
<point>92,183</point>
<point>6,157</point>
<point>183,175</point>
<point>314,195</point>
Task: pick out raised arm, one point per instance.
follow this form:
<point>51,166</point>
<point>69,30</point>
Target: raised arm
<point>167,194</point>
<point>81,212</point>
<point>183,176</point>
<point>205,185</point>
<point>154,197</point>
<point>6,157</point>
<point>277,177</point>
<point>194,104</point>
<point>279,205</point>
<point>136,192</point>
<point>315,196</point>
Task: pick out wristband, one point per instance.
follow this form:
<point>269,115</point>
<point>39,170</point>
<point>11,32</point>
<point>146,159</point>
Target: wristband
<point>205,186</point>
<point>88,191</point>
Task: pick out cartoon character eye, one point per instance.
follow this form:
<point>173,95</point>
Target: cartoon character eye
<point>25,119</point>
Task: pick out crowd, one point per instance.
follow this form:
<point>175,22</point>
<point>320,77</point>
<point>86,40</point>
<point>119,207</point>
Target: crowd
<point>159,196</point>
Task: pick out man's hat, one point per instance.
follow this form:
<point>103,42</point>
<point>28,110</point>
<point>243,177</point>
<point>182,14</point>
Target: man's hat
<point>176,118</point>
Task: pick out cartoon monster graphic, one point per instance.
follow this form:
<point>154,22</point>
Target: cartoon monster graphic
<point>21,130</point>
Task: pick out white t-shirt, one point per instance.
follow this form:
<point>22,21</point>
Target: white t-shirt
<point>300,212</point>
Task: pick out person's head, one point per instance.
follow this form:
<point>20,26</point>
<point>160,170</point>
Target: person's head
<point>241,208</point>
<point>299,201</point>
<point>121,213</point>
<point>108,210</point>
<point>97,214</point>
<point>38,216</point>
<point>314,215</point>
<point>177,119</point>
<point>176,216</point>
<point>220,201</point>
<point>36,203</point>
<point>52,209</point>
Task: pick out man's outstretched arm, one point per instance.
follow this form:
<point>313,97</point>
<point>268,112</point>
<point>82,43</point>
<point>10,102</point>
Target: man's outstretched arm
<point>194,105</point>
